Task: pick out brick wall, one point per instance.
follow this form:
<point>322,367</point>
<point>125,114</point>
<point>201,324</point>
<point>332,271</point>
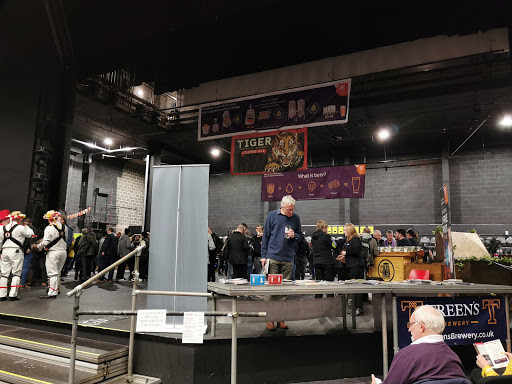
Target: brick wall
<point>130,197</point>
<point>404,196</point>
<point>401,196</point>
<point>481,189</point>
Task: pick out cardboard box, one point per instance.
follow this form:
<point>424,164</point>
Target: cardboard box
<point>257,279</point>
<point>275,279</point>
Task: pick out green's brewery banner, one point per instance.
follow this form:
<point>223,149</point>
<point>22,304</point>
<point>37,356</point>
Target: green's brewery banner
<point>311,106</point>
<point>278,151</point>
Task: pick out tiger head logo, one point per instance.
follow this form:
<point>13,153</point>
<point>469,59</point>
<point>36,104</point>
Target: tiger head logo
<point>286,153</point>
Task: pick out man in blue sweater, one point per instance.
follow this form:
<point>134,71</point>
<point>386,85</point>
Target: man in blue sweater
<point>280,237</point>
<point>420,360</point>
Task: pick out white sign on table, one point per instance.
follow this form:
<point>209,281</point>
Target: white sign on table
<point>193,327</point>
<point>151,320</point>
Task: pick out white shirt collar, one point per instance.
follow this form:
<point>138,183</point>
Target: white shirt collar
<point>429,339</point>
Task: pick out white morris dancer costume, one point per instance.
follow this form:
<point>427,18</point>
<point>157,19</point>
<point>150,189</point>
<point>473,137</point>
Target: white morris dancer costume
<point>54,240</point>
<point>12,237</point>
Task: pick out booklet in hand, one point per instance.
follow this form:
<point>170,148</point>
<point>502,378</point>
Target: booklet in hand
<point>493,352</point>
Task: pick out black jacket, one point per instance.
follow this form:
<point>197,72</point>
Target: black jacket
<point>403,243</point>
<point>322,248</point>
<point>237,248</point>
<point>353,249</point>
<point>109,246</point>
<point>256,243</point>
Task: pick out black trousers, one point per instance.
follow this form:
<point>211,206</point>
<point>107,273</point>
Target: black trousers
<point>326,273</point>
<point>240,270</point>
<point>212,257</point>
<point>300,267</point>
<point>121,268</point>
<point>37,269</point>
<point>86,266</point>
<point>357,272</point>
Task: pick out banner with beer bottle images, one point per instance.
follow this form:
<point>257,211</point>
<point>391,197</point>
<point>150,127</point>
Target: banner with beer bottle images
<point>317,183</point>
<point>310,106</point>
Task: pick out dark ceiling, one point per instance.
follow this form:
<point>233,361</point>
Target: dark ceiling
<point>180,44</point>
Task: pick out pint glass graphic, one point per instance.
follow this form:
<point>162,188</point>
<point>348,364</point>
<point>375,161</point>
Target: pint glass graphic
<point>356,182</point>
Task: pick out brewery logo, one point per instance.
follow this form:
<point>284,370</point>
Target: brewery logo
<point>491,305</point>
<point>386,270</point>
<point>410,305</point>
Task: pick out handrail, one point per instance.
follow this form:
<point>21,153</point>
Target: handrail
<point>77,291</point>
<point>102,273</point>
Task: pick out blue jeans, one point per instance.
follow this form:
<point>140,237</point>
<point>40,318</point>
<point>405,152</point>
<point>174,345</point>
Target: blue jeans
<point>26,265</point>
<point>249,267</point>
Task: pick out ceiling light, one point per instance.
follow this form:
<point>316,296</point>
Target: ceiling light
<point>506,121</point>
<point>108,141</point>
<point>215,152</point>
<point>383,134</point>
<point>140,92</point>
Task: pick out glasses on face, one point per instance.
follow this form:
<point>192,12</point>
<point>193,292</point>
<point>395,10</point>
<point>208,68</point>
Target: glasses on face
<point>411,323</point>
<point>288,209</point>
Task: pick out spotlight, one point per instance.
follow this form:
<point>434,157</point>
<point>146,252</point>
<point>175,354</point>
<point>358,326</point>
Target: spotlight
<point>506,121</point>
<point>140,92</point>
<point>215,152</point>
<point>108,141</point>
<point>383,134</point>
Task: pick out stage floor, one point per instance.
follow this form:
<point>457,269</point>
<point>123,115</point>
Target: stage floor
<point>118,295</point>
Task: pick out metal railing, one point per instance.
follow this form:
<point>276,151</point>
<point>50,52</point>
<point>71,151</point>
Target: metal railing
<point>77,291</point>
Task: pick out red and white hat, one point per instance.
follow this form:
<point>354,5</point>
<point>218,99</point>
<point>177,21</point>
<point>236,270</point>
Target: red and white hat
<point>16,215</point>
<point>51,215</point>
<point>4,214</point>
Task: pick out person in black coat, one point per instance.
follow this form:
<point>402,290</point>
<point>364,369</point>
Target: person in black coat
<point>412,237</point>
<point>401,240</point>
<point>351,256</point>
<point>323,259</point>
<point>237,252</point>
<point>108,253</point>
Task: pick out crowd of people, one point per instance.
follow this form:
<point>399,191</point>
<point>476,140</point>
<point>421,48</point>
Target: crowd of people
<point>280,246</point>
<point>30,256</point>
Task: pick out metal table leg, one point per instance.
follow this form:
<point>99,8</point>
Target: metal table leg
<point>507,307</point>
<point>384,335</point>
<point>214,318</point>
<point>344,310</point>
<point>353,311</point>
<point>395,326</point>
<point>233,341</point>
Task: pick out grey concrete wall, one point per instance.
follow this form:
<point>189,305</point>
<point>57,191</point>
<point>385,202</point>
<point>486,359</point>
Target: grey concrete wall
<point>405,195</point>
<point>481,189</point>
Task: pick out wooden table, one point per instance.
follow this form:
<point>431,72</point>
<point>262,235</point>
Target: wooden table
<point>390,266</point>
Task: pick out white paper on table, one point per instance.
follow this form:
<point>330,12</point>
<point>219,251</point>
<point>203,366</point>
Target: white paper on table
<point>193,327</point>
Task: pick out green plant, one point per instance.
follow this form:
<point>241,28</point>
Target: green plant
<point>438,229</point>
<point>472,231</point>
<point>459,262</point>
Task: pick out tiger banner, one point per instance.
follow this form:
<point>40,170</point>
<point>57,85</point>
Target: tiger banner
<point>276,151</point>
<point>317,183</point>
